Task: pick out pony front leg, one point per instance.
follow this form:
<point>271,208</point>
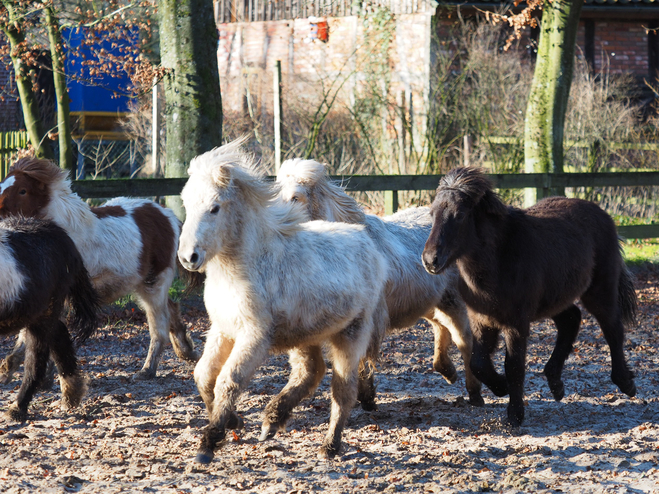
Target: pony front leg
<point>247,354</point>
<point>567,324</point>
<point>515,365</point>
<point>216,352</point>
<point>484,344</point>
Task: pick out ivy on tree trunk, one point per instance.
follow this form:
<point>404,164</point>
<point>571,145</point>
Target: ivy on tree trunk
<point>550,89</point>
<point>193,104</point>
<point>23,77</point>
<point>61,92</point>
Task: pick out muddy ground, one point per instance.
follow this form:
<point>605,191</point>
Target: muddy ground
<point>141,436</point>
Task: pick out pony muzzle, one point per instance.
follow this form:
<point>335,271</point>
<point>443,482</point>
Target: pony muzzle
<point>434,261</point>
<point>192,261</point>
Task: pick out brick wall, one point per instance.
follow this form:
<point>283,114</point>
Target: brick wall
<point>619,46</point>
<point>248,51</point>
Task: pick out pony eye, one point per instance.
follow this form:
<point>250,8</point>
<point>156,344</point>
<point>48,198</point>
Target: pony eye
<point>215,209</point>
<point>22,192</point>
<point>294,199</point>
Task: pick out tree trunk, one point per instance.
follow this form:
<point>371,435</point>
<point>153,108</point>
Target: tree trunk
<point>22,74</point>
<point>61,93</point>
<point>193,105</point>
<point>550,89</point>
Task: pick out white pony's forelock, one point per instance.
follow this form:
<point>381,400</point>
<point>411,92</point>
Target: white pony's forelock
<point>302,171</point>
<point>230,165</point>
<point>329,200</point>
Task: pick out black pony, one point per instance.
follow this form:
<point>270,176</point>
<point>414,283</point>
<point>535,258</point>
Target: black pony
<point>517,266</point>
<point>40,269</point>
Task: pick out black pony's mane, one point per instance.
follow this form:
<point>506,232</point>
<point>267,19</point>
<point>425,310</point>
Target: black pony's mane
<point>473,183</point>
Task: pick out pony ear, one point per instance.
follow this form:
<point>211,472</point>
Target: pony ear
<point>221,176</point>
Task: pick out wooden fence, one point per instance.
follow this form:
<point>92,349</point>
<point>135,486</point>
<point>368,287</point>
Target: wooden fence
<point>391,184</point>
<point>10,142</point>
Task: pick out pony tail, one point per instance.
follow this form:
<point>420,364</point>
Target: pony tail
<point>627,298</point>
<point>85,305</point>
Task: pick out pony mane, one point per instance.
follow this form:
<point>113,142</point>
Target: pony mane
<point>229,166</point>
<point>473,183</point>
<point>45,171</point>
<point>322,191</point>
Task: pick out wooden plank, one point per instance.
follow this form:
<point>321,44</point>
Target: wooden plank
<point>138,187</point>
<point>163,186</point>
<point>639,231</point>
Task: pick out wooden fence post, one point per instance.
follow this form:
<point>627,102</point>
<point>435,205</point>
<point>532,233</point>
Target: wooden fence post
<point>390,202</point>
<point>277,113</point>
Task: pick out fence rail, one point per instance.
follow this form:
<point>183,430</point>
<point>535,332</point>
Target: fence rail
<point>393,183</point>
<point>10,142</point>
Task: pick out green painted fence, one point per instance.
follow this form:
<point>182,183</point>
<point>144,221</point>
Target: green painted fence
<point>391,184</point>
<point>10,142</point>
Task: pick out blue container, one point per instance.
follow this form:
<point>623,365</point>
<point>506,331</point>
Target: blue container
<point>99,93</point>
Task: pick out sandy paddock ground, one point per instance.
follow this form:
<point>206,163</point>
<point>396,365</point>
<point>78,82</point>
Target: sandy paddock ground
<point>141,436</point>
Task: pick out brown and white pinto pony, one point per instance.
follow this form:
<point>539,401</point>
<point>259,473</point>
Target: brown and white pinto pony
<point>128,246</point>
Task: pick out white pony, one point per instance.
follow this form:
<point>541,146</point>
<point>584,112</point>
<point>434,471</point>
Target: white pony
<point>274,283</point>
<point>127,245</point>
<point>412,293</point>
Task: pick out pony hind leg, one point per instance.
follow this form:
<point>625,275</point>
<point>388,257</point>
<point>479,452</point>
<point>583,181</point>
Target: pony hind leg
<point>346,356</point>
<point>452,317</point>
<point>567,325</point>
<point>484,343</point>
<point>12,362</point>
<point>366,384</point>
<point>154,301</point>
<point>36,360</point>
<point>72,382</point>
<point>181,340</point>
<point>610,320</point>
<point>307,370</point>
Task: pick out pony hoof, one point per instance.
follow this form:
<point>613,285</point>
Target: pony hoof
<point>629,389</point>
<point>268,432</point>
<point>515,419</point>
<point>144,375</point>
<point>328,451</point>
<point>558,390</point>
<point>15,414</point>
<point>499,389</point>
<point>448,372</point>
<point>235,422</point>
<point>204,458</point>
<point>476,400</point>
<point>369,405</point>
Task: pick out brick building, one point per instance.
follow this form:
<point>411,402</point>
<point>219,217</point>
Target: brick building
<point>614,35</point>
